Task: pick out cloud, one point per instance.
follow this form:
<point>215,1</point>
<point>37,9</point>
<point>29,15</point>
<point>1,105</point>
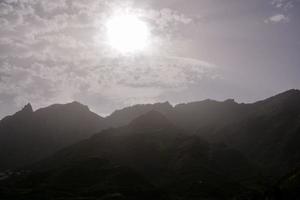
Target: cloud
<point>278,18</point>
<point>283,7</point>
<point>283,4</point>
<point>55,51</point>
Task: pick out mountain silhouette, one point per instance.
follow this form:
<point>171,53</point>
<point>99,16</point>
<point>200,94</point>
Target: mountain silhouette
<point>269,133</point>
<point>189,116</point>
<point>28,135</point>
<point>199,150</point>
<point>161,154</point>
<point>274,122</point>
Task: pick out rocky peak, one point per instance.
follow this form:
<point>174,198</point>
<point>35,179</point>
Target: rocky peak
<point>27,108</point>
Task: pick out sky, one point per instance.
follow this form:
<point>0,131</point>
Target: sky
<point>58,52</point>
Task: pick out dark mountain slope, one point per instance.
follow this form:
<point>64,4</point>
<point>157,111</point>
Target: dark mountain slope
<point>289,185</point>
<point>267,131</point>
<point>87,178</point>
<point>167,158</point>
<point>269,134</point>
<point>208,115</point>
<point>28,136</point>
<point>144,144</point>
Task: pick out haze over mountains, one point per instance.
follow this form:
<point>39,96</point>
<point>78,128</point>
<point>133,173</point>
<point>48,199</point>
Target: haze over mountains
<point>199,150</point>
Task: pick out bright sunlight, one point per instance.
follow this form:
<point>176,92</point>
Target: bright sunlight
<point>127,33</point>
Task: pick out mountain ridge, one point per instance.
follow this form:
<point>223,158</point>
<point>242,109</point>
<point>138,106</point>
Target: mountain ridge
<point>206,149</point>
<point>205,117</point>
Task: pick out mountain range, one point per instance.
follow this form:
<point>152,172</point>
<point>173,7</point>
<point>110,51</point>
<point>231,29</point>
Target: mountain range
<point>199,150</point>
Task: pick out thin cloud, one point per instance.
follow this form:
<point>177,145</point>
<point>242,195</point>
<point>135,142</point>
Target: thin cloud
<point>278,18</point>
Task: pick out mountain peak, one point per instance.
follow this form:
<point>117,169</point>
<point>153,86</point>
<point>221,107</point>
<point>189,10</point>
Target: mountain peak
<point>151,119</point>
<point>27,109</point>
<point>72,106</point>
<point>287,94</point>
<point>291,92</point>
<point>24,113</point>
<point>229,101</point>
<point>76,104</point>
<point>291,97</point>
<point>165,105</point>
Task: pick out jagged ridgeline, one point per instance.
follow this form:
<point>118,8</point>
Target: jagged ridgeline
<point>199,150</point>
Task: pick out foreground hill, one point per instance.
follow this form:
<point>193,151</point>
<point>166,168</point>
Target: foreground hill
<point>28,135</point>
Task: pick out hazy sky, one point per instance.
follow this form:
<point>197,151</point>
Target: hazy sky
<point>56,52</point>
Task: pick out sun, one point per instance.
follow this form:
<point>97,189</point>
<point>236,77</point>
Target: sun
<point>127,33</point>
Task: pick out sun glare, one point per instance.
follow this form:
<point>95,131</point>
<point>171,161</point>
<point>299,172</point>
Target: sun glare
<point>127,33</point>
